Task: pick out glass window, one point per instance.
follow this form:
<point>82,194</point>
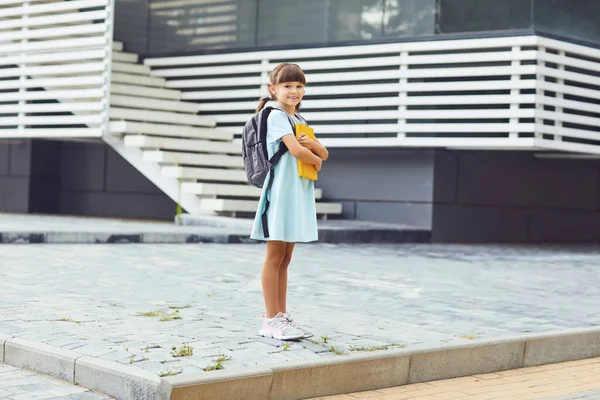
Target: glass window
<point>201,24</point>
<point>283,22</point>
<point>351,20</point>
<point>409,17</point>
<point>577,19</point>
<point>484,15</point>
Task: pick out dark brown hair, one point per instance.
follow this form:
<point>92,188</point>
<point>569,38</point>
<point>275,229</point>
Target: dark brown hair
<point>284,72</point>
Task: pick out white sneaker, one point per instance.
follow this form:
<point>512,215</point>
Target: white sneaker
<point>306,332</point>
<point>279,328</point>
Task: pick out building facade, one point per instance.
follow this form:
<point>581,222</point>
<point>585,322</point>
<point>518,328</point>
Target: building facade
<point>476,119</point>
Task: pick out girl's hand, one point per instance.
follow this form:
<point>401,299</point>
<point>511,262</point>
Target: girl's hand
<point>319,164</point>
<point>305,141</point>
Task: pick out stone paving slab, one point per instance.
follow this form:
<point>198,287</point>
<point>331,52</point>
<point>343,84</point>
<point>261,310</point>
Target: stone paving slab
<point>32,229</point>
<point>19,384</point>
<point>133,304</point>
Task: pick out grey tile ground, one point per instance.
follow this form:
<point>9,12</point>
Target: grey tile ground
<point>18,384</point>
<point>134,303</point>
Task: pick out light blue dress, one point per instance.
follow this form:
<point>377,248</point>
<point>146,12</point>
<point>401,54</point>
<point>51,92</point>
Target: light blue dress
<point>292,213</point>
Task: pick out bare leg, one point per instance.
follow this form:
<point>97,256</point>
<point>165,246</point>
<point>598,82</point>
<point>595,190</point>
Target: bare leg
<point>283,277</point>
<point>270,275</point>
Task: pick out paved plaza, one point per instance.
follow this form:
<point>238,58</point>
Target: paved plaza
<point>179,309</point>
<point>18,384</point>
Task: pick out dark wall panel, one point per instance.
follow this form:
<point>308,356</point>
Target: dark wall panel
<point>4,159</point>
<point>383,185</point>
<point>378,175</point>
<point>106,204</point>
<point>14,194</point>
<point>131,24</point>
<point>514,196</point>
<point>82,167</point>
<point>519,179</point>
<point>458,223</point>
<point>121,177</point>
<point>20,158</point>
<point>411,214</point>
<point>96,181</point>
<point>564,226</point>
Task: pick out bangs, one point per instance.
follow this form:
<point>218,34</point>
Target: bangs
<point>291,73</point>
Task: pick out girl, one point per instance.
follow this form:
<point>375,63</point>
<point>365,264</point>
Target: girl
<point>291,215</point>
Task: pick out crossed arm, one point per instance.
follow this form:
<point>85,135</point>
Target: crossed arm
<point>306,150</point>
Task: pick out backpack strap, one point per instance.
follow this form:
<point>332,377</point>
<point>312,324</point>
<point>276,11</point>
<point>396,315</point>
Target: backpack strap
<point>272,162</point>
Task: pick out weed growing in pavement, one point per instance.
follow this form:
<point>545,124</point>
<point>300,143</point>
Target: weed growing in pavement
<point>150,313</point>
<point>67,319</point>
<point>468,337</point>
<point>336,351</point>
<point>376,348</point>
<point>163,314</point>
<point>183,351</point>
<point>218,363</point>
<point>180,307</point>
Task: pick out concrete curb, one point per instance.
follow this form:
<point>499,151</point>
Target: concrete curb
<point>70,237</point>
<point>115,379</point>
<point>310,378</point>
<point>49,360</point>
<point>326,235</point>
<point>3,339</point>
<point>362,372</point>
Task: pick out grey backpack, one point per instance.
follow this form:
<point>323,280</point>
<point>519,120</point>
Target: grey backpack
<point>256,159</point>
<point>254,149</point>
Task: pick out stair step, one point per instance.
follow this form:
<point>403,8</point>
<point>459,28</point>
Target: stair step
<point>205,174</point>
<point>133,79</point>
<point>227,205</point>
<point>130,127</point>
<point>117,46</point>
<point>210,160</point>
<point>205,146</point>
<point>143,91</point>
<point>130,114</point>
<point>129,68</point>
<point>125,57</point>
<point>153,104</point>
<point>219,189</point>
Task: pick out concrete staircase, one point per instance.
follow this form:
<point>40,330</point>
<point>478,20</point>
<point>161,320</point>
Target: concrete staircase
<point>196,165</point>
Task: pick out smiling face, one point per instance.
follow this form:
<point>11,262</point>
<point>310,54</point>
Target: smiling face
<point>289,94</point>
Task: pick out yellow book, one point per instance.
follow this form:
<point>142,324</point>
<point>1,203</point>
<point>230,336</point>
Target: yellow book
<point>307,171</point>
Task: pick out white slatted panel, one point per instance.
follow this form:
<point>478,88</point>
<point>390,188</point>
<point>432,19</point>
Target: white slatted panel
<point>383,94</point>
<point>496,93</point>
<point>568,93</point>
<point>54,67</point>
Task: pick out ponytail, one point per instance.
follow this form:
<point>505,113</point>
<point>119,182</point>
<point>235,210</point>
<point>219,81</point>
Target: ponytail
<point>262,103</point>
